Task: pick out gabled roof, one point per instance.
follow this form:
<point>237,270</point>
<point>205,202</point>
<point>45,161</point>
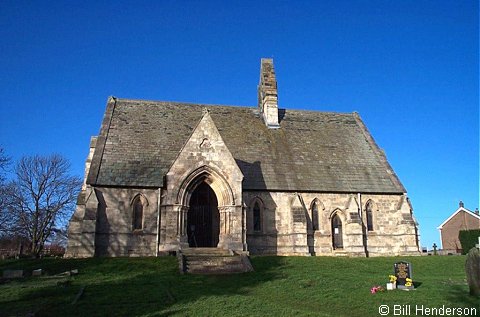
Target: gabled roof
<point>456,212</point>
<point>311,151</point>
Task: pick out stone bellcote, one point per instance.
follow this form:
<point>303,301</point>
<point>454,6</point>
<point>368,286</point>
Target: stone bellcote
<point>267,94</point>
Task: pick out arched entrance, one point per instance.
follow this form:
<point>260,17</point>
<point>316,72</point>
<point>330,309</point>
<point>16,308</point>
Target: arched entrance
<point>203,218</point>
<point>337,234</point>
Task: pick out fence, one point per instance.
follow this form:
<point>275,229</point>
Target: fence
<point>47,251</point>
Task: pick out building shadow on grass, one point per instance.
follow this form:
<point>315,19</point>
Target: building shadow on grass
<point>460,294</point>
<point>152,292</point>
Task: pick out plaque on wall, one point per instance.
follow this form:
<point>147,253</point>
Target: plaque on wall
<point>298,215</point>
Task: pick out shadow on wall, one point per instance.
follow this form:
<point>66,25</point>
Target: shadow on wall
<point>102,236</point>
<point>263,238</point>
<point>307,220</point>
<point>114,227</point>
<point>281,115</point>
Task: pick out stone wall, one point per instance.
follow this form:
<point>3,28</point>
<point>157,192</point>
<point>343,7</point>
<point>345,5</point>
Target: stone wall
<point>103,224</point>
<point>287,224</point>
<point>115,235</point>
<point>395,230</point>
<point>82,225</point>
<point>204,158</point>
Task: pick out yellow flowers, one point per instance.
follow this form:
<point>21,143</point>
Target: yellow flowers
<point>392,278</point>
<point>408,282</point>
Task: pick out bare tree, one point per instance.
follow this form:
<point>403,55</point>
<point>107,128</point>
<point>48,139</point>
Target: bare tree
<point>41,197</point>
<point>4,218</point>
<point>4,162</point>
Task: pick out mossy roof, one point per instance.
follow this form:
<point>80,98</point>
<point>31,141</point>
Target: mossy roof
<point>311,151</point>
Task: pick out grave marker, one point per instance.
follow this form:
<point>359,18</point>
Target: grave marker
<point>472,269</point>
<point>37,272</point>
<point>403,271</point>
<point>12,273</point>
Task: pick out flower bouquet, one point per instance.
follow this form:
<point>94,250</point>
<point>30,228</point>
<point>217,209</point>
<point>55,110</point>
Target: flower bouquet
<point>376,289</point>
<point>393,282</point>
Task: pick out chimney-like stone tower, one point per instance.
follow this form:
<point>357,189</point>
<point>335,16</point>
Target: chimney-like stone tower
<point>267,94</point>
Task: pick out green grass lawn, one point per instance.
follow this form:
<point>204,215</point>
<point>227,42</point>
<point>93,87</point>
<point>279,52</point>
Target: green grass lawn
<point>280,286</point>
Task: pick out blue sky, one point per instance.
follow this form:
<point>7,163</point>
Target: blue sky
<point>410,68</point>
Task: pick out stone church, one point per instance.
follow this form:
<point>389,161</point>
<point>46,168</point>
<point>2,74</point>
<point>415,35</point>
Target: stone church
<point>167,176</point>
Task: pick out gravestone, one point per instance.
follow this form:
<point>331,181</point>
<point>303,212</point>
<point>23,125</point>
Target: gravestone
<point>472,269</point>
<point>12,273</point>
<point>37,272</point>
<point>403,270</point>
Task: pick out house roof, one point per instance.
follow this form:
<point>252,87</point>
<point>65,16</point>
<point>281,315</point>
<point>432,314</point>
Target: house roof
<point>311,151</point>
<point>456,212</point>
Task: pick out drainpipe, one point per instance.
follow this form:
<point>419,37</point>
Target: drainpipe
<point>364,229</point>
<point>359,199</point>
<point>244,226</point>
<point>158,221</point>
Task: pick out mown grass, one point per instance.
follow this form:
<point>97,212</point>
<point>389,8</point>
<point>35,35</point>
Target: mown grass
<point>280,286</point>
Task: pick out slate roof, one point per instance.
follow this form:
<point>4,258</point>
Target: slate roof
<point>312,151</point>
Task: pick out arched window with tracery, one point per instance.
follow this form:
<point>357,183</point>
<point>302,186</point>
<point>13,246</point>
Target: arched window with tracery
<point>138,213</point>
<point>369,212</point>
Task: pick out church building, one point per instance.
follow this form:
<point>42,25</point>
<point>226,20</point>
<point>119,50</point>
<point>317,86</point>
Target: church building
<point>167,176</point>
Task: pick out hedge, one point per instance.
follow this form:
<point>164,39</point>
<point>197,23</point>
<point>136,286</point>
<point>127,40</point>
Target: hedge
<point>468,239</point>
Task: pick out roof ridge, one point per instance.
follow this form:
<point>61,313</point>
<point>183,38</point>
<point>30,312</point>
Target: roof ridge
<point>317,111</point>
<point>187,103</point>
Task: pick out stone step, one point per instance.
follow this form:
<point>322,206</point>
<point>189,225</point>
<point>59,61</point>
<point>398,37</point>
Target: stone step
<point>206,251</point>
<point>216,270</point>
<point>210,263</point>
<point>215,259</point>
<point>213,263</point>
<point>209,268</point>
<point>216,262</point>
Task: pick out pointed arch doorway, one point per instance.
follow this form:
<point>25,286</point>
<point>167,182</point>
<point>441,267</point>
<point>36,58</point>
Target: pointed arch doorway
<point>203,218</point>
